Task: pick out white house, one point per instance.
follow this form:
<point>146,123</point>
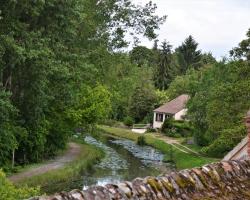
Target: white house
<point>175,108</point>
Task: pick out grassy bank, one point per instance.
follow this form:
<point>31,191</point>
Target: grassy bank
<point>67,177</point>
<point>181,159</point>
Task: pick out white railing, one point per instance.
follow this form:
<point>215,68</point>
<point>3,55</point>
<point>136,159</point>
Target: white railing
<point>141,126</point>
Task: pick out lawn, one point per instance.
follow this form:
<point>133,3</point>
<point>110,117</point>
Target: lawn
<point>181,159</point>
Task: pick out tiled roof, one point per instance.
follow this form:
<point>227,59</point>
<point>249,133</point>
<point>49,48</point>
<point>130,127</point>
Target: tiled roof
<point>174,106</point>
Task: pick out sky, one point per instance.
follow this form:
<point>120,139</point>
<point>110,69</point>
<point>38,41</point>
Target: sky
<point>217,25</point>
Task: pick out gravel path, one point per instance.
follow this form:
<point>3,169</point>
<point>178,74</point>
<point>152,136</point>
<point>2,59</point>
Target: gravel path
<point>73,151</point>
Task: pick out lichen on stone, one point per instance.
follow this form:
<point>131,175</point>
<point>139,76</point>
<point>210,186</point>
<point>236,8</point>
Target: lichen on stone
<point>217,181</point>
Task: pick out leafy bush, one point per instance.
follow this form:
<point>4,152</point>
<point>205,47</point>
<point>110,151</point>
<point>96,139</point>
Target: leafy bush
<point>174,128</point>
<point>219,105</point>
<point>167,124</point>
<point>109,122</point>
<point>151,130</point>
<point>128,121</point>
<point>183,128</point>
<point>9,192</point>
<point>225,142</point>
<point>141,140</point>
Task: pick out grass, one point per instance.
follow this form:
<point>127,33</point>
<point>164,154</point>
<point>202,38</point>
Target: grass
<point>120,132</point>
<point>63,178</point>
<point>194,147</point>
<point>181,159</point>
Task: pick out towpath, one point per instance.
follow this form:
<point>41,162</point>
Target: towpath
<point>71,154</point>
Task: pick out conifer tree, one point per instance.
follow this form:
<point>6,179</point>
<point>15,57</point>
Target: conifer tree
<point>163,74</point>
<point>188,56</point>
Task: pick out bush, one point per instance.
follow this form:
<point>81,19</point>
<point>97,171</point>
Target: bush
<point>9,192</point>
<point>128,121</point>
<point>183,128</point>
<point>173,133</point>
<point>141,140</point>
<point>151,130</point>
<point>149,118</point>
<point>109,122</point>
<point>225,142</point>
<point>167,125</point>
<point>174,128</point>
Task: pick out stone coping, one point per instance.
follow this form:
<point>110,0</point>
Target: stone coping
<point>223,180</point>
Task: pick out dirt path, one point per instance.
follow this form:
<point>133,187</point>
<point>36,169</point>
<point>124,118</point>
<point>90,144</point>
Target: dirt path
<point>73,151</point>
<point>176,144</point>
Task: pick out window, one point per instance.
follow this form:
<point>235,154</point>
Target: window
<point>159,117</point>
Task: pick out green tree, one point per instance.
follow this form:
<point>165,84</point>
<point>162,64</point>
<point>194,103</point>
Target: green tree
<point>49,52</point>
<point>143,101</point>
<point>141,55</point>
<point>185,84</point>
<point>92,107</point>
<point>219,104</point>
<point>163,72</point>
<point>8,141</point>
<point>207,59</point>
<point>188,56</point>
<point>243,50</point>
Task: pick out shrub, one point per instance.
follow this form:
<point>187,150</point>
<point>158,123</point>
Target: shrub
<point>225,142</point>
<point>9,192</point>
<point>151,130</point>
<point>174,128</point>
<point>167,125</point>
<point>128,121</point>
<point>183,128</point>
<point>141,140</point>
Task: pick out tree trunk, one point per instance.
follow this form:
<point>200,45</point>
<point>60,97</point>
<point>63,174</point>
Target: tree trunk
<point>13,158</point>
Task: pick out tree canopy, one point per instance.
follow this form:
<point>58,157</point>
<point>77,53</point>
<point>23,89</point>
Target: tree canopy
<point>59,64</point>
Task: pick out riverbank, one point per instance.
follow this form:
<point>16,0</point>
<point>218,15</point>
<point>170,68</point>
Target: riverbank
<point>68,155</point>
<point>64,178</point>
<point>181,159</point>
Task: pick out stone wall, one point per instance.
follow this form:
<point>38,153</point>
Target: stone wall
<point>224,180</point>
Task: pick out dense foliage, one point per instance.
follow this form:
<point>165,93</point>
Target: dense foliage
<point>60,69</point>
<point>219,100</point>
<point>9,192</point>
<point>174,128</point>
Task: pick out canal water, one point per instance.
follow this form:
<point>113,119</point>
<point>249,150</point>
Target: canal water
<point>124,160</point>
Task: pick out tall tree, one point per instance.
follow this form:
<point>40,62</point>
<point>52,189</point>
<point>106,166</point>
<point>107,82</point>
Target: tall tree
<point>243,50</point>
<point>141,55</point>
<point>188,56</point>
<point>49,51</point>
<point>163,73</point>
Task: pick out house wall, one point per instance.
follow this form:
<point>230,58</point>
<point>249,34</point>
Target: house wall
<point>158,124</point>
<point>242,155</point>
<point>239,152</point>
<point>242,150</point>
<point>178,116</point>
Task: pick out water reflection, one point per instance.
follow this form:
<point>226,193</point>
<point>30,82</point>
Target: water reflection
<point>124,160</point>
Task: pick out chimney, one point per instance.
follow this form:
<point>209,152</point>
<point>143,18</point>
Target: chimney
<point>247,121</point>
